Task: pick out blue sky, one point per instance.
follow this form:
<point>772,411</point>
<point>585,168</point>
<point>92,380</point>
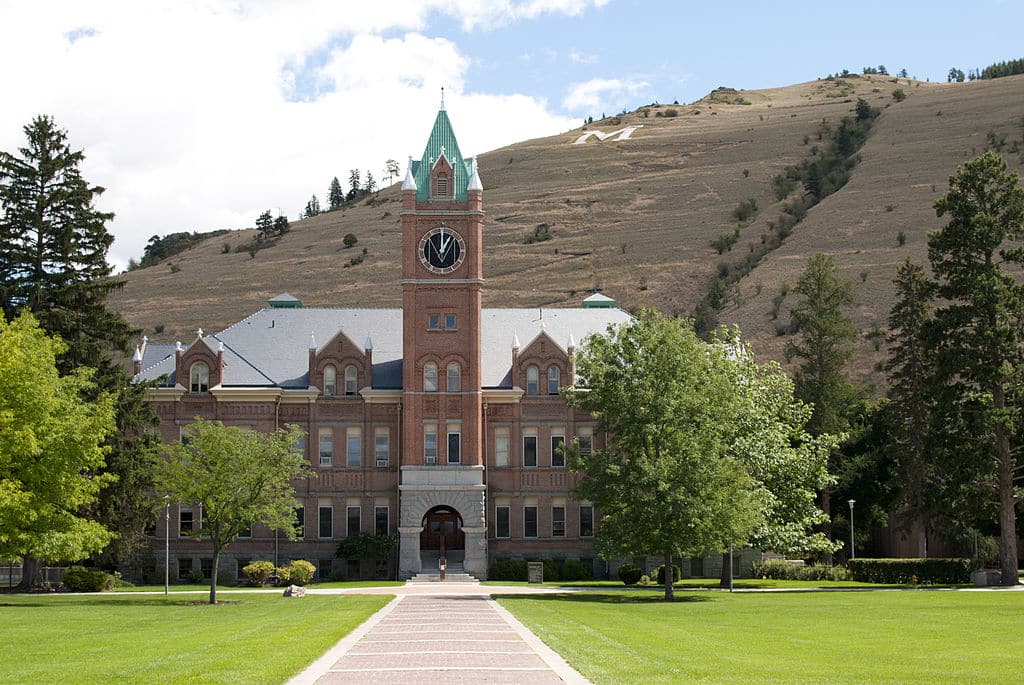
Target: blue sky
<point>201,115</point>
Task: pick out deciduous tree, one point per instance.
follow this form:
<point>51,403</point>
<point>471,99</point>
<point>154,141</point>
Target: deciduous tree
<point>978,331</point>
<point>699,446</point>
<point>51,450</point>
<point>239,479</point>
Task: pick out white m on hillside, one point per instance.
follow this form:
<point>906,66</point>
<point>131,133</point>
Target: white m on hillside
<point>621,134</point>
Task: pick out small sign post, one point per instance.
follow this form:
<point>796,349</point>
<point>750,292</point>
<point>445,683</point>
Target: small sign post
<point>535,571</point>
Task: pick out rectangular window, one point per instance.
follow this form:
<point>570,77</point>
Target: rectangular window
<point>326,446</point>
<point>557,456</point>
<point>206,566</point>
<point>585,436</point>
<point>449,322</point>
<point>529,450</point>
<point>184,568</point>
<point>529,522</point>
<point>382,447</point>
<point>185,521</point>
<point>353,519</point>
<point>454,448</point>
<point>326,528</point>
<point>430,445</point>
<point>354,448</point>
<point>558,522</point>
<point>501,521</point>
<point>433,322</point>
<point>501,447</point>
<point>586,521</point>
<point>246,533</point>
<point>381,524</point>
<point>300,522</point>
<point>300,446</point>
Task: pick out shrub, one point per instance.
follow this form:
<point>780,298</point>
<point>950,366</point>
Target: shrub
<point>284,575</point>
<point>301,572</point>
<point>745,210</point>
<point>225,577</point>
<point>630,574</point>
<point>196,577</point>
<point>676,574</point>
<point>551,570</point>
<point>645,580</point>
<point>901,238</point>
<point>671,112</point>
<point>898,95</point>
<point>780,569</point>
<point>906,570</point>
<point>573,569</point>
<point>508,569</point>
<point>350,239</point>
<point>81,579</point>
<point>258,571</point>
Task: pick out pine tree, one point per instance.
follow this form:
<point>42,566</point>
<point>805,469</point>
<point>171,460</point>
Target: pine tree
<point>312,207</point>
<point>909,369</point>
<point>978,333</point>
<point>264,226</point>
<point>53,245</point>
<point>335,195</point>
<point>353,184</point>
<point>281,225</point>
<point>371,183</point>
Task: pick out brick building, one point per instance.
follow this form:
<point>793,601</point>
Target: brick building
<point>432,421</point>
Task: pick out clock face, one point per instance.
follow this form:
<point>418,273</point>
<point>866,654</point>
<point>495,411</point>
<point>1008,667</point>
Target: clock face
<point>442,250</point>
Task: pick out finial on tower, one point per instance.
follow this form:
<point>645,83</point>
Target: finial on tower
<point>410,182</point>
<point>442,98</point>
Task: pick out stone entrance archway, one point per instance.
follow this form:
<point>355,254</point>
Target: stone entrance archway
<point>442,531</point>
<point>442,489</point>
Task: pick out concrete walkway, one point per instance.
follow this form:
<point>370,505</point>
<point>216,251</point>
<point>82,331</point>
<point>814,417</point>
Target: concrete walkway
<point>448,635</point>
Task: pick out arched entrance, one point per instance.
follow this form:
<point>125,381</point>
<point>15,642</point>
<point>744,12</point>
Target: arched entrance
<point>442,531</point>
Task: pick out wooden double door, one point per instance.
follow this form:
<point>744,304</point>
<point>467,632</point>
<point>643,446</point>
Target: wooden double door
<point>442,530</point>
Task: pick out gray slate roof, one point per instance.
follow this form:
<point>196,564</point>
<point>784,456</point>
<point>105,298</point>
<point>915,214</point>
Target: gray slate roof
<point>270,348</point>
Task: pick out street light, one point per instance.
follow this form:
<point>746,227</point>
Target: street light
<point>853,550</point>
<point>167,543</point>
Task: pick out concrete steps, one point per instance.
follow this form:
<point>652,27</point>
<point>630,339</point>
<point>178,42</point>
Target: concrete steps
<point>453,575</point>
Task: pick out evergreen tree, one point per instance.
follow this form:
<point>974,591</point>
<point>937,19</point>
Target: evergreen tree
<point>978,332</point>
<point>281,225</point>
<point>53,245</point>
<point>371,183</point>
<point>353,184</point>
<point>824,345</point>
<point>312,207</point>
<point>264,226</point>
<point>909,369</point>
<point>335,195</point>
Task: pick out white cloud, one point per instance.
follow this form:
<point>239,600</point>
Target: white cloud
<point>201,115</point>
<point>582,57</point>
<point>602,94</point>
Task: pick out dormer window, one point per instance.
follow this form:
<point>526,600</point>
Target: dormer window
<point>442,185</point>
<point>199,378</point>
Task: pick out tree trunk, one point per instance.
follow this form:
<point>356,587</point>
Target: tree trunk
<point>213,577</point>
<point>31,573</point>
<point>1007,508</point>
<point>723,577</point>
<point>670,580</point>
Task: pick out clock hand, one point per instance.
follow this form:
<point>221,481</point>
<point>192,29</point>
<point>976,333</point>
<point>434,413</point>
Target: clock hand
<point>445,244</point>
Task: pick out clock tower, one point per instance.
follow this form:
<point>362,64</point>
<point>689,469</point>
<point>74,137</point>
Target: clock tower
<point>442,491</point>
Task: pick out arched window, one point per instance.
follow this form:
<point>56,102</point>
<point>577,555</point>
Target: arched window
<point>532,380</point>
<point>454,377</point>
<point>553,377</point>
<point>430,377</point>
<point>330,380</point>
<point>199,380</point>
<point>350,380</point>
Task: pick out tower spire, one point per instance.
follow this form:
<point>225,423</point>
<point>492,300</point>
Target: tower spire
<point>442,98</point>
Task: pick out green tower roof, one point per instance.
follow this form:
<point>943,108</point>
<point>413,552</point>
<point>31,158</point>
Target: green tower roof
<point>442,138</point>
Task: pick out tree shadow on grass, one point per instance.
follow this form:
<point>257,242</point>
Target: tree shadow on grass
<point>100,601</point>
<point>609,598</point>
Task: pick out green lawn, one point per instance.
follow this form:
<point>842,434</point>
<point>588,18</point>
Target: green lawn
<point>922,636</point>
<point>330,585</point>
<point>696,583</point>
<point>140,638</point>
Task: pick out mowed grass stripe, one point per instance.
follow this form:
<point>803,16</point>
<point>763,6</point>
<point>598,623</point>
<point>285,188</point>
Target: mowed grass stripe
<point>886,636</point>
<point>250,638</point>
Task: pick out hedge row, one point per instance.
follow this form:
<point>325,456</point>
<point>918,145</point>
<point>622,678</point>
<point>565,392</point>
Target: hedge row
<point>779,569</point>
<point>910,571</point>
<point>516,569</point>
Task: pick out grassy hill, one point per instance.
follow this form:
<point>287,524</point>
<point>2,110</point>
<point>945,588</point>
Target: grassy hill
<point>638,217</point>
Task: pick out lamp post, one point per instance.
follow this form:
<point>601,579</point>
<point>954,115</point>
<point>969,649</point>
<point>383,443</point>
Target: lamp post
<point>167,543</point>
<point>853,550</point>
